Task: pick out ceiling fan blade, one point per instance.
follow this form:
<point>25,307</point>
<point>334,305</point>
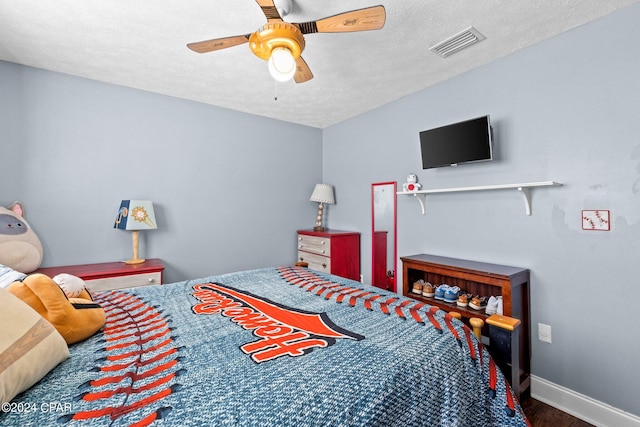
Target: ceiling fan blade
<point>218,44</point>
<point>303,73</point>
<point>269,9</point>
<point>370,18</point>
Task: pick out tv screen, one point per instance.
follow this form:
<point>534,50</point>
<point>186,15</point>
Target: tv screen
<point>463,142</point>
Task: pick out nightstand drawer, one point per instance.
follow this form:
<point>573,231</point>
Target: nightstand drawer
<point>112,275</point>
<point>316,262</point>
<point>318,245</point>
<point>121,282</point>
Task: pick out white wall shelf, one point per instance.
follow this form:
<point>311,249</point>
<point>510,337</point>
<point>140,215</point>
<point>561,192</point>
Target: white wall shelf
<point>524,189</point>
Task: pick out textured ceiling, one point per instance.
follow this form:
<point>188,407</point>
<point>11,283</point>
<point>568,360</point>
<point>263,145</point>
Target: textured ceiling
<point>142,45</point>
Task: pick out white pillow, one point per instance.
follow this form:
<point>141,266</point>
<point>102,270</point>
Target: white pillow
<point>8,275</point>
<point>29,346</point>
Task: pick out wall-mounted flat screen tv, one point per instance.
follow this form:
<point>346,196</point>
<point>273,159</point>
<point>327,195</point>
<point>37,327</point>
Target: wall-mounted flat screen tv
<point>462,142</point>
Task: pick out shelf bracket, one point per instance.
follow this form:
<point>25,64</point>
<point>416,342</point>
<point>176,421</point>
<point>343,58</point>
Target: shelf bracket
<point>526,193</point>
<point>422,198</point>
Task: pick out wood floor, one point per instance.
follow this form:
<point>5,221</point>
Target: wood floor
<point>542,415</point>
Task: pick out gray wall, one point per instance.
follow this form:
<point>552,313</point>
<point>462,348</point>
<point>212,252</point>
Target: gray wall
<point>564,110</point>
<point>229,189</point>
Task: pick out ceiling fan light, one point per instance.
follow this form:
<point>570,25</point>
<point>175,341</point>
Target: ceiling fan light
<point>282,65</point>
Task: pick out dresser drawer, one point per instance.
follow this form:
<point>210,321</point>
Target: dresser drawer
<point>318,245</point>
<point>316,262</point>
<point>121,282</point>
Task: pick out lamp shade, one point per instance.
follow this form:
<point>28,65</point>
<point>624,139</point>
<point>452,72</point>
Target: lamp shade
<point>136,215</point>
<point>323,193</point>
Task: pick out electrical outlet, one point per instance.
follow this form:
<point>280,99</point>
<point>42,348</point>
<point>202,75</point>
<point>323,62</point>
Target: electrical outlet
<point>544,332</point>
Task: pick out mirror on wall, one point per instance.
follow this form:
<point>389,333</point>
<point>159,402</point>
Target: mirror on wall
<point>383,239</point>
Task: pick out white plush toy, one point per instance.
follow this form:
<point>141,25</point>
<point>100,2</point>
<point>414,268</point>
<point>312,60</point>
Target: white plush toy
<point>71,285</point>
<point>412,183</point>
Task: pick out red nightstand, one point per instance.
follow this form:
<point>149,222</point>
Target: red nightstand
<point>112,275</point>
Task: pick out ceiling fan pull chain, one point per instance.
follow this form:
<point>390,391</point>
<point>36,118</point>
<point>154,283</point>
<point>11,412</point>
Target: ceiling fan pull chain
<point>275,90</point>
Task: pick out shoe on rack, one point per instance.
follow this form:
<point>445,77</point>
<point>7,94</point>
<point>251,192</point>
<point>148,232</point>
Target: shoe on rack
<point>500,310</point>
<point>417,287</point>
<point>451,295</point>
<point>463,300</point>
<point>492,306</point>
<point>440,290</point>
<point>478,302</point>
<point>428,290</point>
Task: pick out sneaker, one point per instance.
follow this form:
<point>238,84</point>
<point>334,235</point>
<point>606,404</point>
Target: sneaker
<point>478,302</point>
<point>417,287</point>
<point>440,290</point>
<point>492,305</point>
<point>500,311</point>
<point>463,300</point>
<point>428,290</point>
<point>451,295</point>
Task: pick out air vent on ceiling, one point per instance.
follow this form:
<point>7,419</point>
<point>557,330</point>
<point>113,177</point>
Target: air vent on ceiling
<point>460,41</point>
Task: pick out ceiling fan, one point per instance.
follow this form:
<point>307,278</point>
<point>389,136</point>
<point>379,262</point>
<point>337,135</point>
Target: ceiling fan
<point>281,43</point>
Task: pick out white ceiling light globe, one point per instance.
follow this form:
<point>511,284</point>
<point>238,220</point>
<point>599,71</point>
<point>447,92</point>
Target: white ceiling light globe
<point>282,65</point>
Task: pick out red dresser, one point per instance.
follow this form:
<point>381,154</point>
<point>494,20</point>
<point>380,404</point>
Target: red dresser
<point>332,251</point>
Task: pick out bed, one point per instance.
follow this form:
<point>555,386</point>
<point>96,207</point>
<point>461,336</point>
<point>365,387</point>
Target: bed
<point>281,346</point>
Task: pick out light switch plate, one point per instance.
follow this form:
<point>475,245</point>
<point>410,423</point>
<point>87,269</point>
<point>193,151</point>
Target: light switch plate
<point>596,220</point>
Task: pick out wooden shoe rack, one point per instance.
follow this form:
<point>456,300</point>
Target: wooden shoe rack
<point>478,278</point>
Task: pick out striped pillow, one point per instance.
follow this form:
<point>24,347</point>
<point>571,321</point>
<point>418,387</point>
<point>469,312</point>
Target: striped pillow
<point>8,275</point>
<point>29,346</point>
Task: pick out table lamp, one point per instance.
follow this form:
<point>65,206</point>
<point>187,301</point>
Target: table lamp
<point>323,193</point>
<point>135,215</point>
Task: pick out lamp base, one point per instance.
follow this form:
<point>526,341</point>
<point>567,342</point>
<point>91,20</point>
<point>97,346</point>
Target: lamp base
<point>135,260</point>
<point>319,226</point>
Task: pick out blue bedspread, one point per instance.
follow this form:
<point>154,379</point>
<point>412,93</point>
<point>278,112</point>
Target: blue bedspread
<point>272,347</point>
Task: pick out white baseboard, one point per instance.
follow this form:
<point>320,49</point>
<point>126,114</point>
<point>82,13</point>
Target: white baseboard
<point>581,406</point>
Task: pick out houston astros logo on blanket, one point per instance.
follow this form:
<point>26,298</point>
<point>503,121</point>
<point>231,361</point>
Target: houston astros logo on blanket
<point>281,330</point>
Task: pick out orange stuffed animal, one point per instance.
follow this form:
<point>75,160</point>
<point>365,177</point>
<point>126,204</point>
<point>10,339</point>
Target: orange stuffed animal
<point>75,318</point>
